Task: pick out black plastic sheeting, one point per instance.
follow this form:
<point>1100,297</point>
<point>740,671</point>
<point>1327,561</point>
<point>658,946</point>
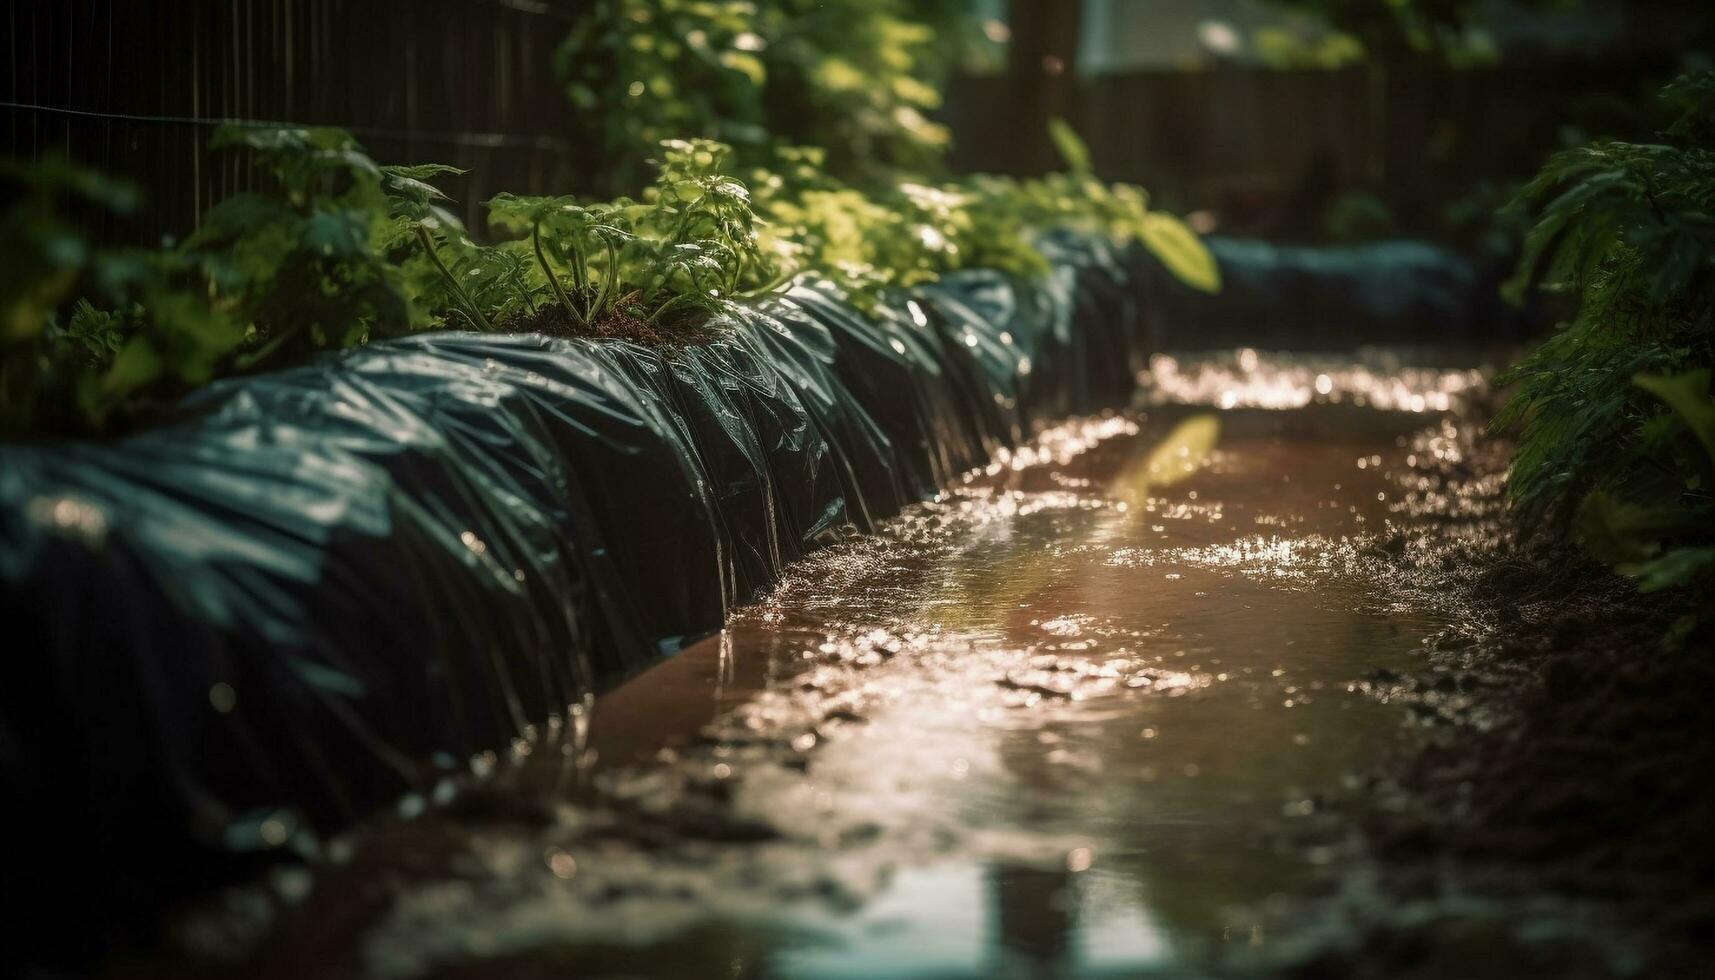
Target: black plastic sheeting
<point>335,585</point>
<point>1315,297</point>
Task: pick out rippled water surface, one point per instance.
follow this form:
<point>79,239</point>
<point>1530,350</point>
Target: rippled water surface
<point>1044,725</point>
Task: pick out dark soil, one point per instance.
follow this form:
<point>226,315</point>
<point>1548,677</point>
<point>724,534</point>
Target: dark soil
<point>1566,765</point>
<point>682,329</point>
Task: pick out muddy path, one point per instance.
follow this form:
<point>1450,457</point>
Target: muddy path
<point>1113,705</point>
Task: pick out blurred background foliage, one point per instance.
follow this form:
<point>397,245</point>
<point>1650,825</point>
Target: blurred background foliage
<point>859,79</point>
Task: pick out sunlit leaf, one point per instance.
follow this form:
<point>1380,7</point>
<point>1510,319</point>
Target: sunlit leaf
<point>1181,251</point>
<point>1070,146</point>
<point>1689,397</point>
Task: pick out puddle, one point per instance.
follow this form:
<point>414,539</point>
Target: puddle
<point>1040,726</point>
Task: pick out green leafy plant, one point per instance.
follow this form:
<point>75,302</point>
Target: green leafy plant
<point>155,334</point>
<point>1669,543</point>
<point>1295,47</point>
<point>690,246</point>
<point>642,71</point>
<point>311,262</point>
<point>867,239</point>
<point>860,78</point>
<point>305,265</point>
<point>416,209</point>
<point>1076,199</point>
<point>1603,408</point>
<point>46,369</point>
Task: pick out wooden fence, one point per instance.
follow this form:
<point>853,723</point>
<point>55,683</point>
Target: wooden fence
<point>1249,142</point>
<point>135,87</point>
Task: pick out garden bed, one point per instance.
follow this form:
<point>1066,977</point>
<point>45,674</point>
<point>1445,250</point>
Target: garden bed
<point>336,584</point>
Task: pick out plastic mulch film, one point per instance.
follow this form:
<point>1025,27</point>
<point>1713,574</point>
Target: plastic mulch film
<point>1305,297</point>
<point>334,585</point>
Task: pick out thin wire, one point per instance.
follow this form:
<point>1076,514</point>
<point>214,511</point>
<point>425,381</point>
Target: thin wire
<point>365,132</point>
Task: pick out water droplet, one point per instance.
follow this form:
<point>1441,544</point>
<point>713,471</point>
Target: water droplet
<point>223,697</point>
<point>563,865</point>
<point>1079,859</point>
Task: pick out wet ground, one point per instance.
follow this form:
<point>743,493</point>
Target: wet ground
<point>1049,724</point>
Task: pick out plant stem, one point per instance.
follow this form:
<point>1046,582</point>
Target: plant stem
<point>548,270</point>
<point>580,278</point>
<point>664,307</point>
<point>768,287</point>
<point>599,305</point>
<point>245,362</point>
<point>523,293</point>
<point>428,244</point>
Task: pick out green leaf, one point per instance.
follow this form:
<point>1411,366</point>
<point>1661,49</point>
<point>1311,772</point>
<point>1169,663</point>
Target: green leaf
<point>238,215</point>
<point>1181,251</point>
<point>337,234</point>
<point>136,365</point>
<point>422,171</point>
<point>1618,531</point>
<point>1673,568</point>
<point>1071,147</point>
<point>747,64</point>
<point>1688,395</point>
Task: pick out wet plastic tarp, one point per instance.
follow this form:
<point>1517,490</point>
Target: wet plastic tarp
<point>1307,297</point>
<point>335,584</point>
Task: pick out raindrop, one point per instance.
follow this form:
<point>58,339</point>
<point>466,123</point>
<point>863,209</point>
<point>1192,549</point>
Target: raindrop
<point>223,697</point>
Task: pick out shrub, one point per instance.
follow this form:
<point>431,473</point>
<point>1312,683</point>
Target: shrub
<point>854,77</point>
<point>1613,412</point>
<point>52,373</point>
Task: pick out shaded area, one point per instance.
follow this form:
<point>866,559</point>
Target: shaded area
<point>1555,813</point>
<point>1310,298</point>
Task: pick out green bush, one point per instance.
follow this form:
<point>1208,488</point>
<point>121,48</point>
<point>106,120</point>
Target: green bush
<point>341,249</point>
<point>854,77</point>
<point>1613,413</point>
<point>52,372</point>
<point>911,231</point>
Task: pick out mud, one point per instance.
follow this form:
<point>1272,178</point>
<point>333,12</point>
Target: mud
<point>1252,679</point>
<point>1554,817</point>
